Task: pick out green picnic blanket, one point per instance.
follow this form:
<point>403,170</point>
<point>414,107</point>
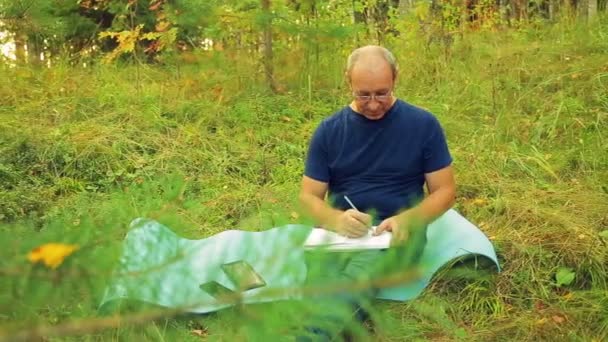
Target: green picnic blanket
<point>159,267</point>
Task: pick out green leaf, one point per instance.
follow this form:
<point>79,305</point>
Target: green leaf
<point>604,234</point>
<point>564,276</point>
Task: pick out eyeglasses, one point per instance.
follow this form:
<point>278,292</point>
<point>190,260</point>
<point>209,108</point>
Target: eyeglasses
<point>378,97</point>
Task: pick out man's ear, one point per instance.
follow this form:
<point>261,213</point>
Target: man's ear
<point>347,81</point>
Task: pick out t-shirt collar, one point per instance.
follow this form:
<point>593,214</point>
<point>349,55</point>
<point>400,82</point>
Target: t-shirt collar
<point>388,116</point>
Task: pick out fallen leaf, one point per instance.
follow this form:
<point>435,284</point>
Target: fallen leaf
<point>51,254</point>
<point>479,201</point>
<point>199,332</point>
<point>539,305</point>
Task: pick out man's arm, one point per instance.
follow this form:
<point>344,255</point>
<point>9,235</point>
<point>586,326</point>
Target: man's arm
<point>312,198</point>
<point>442,195</point>
<point>350,223</point>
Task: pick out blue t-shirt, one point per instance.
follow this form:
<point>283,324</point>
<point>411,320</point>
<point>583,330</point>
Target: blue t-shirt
<point>378,164</point>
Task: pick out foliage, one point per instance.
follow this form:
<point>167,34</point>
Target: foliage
<point>128,39</point>
<point>564,276</point>
<point>201,146</point>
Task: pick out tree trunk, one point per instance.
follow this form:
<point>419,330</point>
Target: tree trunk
<point>268,63</point>
<point>592,9</point>
<point>34,49</point>
<point>20,44</point>
<point>405,6</point>
<point>580,8</point>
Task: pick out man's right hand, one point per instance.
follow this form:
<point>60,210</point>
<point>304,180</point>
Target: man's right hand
<point>352,223</point>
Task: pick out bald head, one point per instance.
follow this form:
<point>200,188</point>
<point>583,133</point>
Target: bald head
<point>371,57</point>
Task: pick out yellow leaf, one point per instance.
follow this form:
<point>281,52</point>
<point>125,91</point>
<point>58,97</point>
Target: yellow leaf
<point>150,36</point>
<point>162,26</point>
<point>108,34</point>
<point>479,201</point>
<point>51,254</point>
<point>200,332</point>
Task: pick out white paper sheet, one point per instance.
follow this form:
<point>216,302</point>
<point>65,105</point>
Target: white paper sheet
<point>320,237</point>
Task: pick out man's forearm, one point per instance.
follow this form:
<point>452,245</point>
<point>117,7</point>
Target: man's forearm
<point>323,214</point>
<point>431,207</point>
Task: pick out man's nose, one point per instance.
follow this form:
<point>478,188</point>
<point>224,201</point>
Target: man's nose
<point>373,104</point>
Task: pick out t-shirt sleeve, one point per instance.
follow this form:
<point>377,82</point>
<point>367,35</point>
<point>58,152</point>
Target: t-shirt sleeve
<point>317,165</point>
<point>436,153</point>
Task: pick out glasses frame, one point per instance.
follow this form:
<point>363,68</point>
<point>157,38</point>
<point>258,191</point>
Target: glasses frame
<point>377,97</point>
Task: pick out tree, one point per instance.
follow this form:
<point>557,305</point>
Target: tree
<point>46,27</point>
<point>267,34</point>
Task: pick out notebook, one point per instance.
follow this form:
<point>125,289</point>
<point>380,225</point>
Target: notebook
<point>322,238</point>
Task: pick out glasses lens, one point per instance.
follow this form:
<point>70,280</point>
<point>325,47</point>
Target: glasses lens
<point>379,97</point>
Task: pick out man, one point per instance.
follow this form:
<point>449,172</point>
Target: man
<point>378,152</point>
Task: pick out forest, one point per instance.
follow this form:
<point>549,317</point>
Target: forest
<point>198,114</point>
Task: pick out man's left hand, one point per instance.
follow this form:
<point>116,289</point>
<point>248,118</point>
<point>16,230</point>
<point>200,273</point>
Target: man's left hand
<point>398,225</point>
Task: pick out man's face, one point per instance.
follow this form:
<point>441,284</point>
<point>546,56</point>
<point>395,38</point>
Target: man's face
<point>372,84</point>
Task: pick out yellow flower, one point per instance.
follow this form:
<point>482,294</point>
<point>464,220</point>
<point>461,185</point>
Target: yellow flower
<point>52,254</point>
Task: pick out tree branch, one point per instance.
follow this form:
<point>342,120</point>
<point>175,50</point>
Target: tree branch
<point>86,326</point>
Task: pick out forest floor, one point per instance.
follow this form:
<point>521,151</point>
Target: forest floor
<point>83,151</point>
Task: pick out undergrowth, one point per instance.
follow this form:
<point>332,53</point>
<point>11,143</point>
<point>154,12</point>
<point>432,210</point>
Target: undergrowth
<point>83,151</point>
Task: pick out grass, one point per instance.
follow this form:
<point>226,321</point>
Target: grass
<point>85,150</point>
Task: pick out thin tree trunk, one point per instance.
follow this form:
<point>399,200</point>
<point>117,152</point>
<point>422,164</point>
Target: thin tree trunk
<point>20,43</point>
<point>268,63</point>
<point>405,6</point>
<point>581,9</point>
<point>592,9</point>
<point>34,50</point>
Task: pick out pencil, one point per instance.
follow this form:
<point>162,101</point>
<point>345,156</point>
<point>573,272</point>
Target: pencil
<point>350,203</point>
<point>373,229</point>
